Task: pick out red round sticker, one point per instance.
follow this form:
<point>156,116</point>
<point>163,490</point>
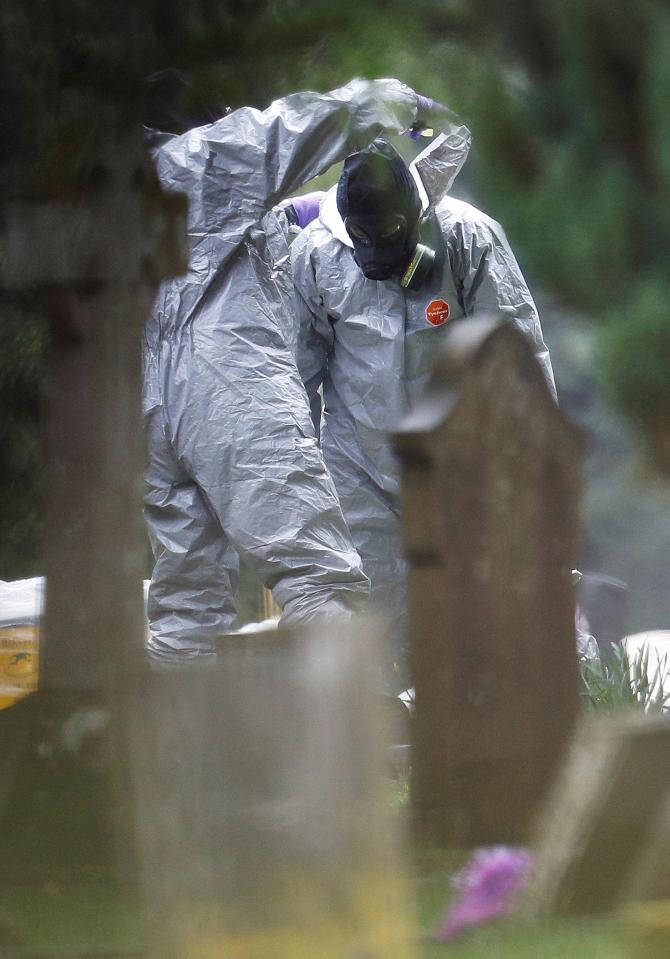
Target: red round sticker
<point>437,312</point>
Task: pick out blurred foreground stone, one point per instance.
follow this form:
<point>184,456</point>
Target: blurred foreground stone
<point>603,838</point>
<point>265,824</point>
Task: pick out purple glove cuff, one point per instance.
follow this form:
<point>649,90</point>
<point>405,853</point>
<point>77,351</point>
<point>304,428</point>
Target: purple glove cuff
<point>307,207</point>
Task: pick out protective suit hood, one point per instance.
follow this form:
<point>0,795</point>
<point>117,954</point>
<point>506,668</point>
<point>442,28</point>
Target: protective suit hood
<point>433,170</point>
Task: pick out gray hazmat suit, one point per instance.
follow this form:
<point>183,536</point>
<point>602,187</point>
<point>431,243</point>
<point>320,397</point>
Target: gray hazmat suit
<point>370,345</point>
<point>233,461</point>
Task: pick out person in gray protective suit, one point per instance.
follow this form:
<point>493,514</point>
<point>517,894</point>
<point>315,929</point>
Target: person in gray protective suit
<point>234,466</point>
<point>389,264</point>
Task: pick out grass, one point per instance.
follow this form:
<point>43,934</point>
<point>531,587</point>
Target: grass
<point>97,918</point>
<point>623,681</point>
<point>63,919</point>
<point>574,940</point>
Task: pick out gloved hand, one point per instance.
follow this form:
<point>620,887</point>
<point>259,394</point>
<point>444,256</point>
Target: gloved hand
<point>429,113</point>
<point>306,207</point>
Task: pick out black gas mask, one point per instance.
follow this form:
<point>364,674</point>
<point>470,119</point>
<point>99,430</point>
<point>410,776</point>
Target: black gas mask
<point>379,203</point>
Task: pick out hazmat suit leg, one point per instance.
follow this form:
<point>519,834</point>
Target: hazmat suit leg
<point>243,432</point>
<point>190,599</point>
<point>373,518</point>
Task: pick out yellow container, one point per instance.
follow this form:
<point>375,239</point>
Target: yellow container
<point>19,662</point>
<point>21,606</point>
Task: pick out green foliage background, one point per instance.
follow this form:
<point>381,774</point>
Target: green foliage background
<point>568,103</point>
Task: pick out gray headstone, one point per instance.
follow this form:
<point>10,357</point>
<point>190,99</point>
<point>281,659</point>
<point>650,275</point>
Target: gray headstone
<point>604,835</point>
<point>89,233</point>
<point>491,523</point>
<point>650,880</point>
<point>92,243</point>
<point>265,821</point>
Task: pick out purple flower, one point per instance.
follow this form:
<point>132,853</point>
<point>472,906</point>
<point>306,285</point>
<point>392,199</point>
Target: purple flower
<point>488,886</point>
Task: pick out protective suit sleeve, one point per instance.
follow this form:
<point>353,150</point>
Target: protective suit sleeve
<point>236,169</point>
<point>492,282</point>
<point>314,336</point>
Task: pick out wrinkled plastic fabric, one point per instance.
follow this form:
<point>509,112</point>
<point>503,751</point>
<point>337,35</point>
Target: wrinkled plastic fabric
<point>371,346</point>
<point>233,461</point>
<point>587,647</point>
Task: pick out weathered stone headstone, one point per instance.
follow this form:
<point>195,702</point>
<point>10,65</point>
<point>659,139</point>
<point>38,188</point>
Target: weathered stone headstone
<point>87,235</point>
<point>94,250</point>
<point>491,524</point>
<point>265,822</point>
<point>650,878</point>
<point>604,835</point>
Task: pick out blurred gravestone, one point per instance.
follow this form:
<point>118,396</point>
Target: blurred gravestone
<point>87,236</point>
<point>95,259</point>
<point>491,523</point>
<point>604,835</point>
<point>651,877</point>
<point>264,819</point>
